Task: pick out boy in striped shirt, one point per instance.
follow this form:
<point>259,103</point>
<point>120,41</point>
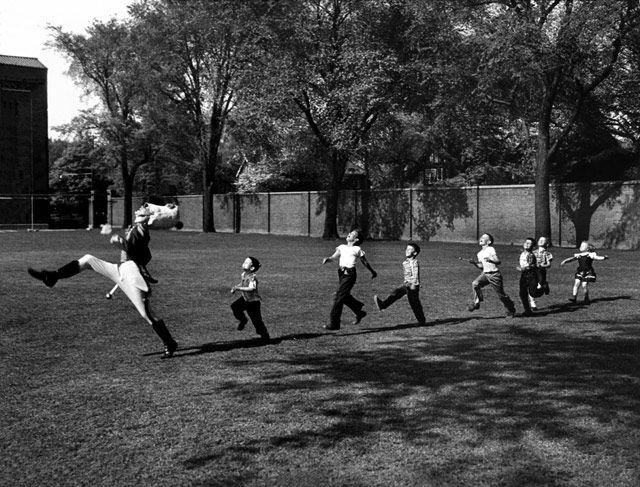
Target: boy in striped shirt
<point>410,286</point>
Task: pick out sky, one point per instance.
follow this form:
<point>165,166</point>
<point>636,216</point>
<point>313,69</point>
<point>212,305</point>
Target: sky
<point>23,32</point>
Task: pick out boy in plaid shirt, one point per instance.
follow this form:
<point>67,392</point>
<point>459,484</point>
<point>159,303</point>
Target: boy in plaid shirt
<point>410,286</point>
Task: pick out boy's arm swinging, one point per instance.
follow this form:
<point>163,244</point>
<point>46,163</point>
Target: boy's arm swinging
<point>365,263</point>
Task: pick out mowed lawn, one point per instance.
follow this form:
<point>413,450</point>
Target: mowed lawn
<point>473,399</point>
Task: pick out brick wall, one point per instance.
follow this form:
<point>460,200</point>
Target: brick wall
<point>609,213</point>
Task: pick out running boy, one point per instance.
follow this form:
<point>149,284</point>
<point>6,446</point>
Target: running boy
<point>585,272</point>
<point>250,300</point>
<point>410,287</point>
<point>488,262</point>
<point>347,278</point>
<point>529,276</point>
<point>543,259</point>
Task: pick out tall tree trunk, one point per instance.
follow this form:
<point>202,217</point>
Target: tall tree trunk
<point>337,166</point>
<point>207,199</point>
<point>543,156</point>
<point>127,181</point>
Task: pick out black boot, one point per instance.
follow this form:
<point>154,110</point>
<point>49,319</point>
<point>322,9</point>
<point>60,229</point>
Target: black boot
<point>51,277</point>
<point>170,345</point>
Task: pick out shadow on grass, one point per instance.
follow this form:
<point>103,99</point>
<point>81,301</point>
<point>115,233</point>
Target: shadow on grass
<point>523,389</point>
<point>570,307</point>
<point>215,347</point>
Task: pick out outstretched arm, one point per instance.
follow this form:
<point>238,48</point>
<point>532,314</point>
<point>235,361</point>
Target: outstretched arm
<point>567,260</point>
<point>335,255</point>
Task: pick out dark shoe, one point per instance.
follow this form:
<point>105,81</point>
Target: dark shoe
<point>587,301</point>
<point>528,313</point>
<point>572,300</point>
<point>242,324</point>
<point>331,327</point>
<point>473,307</point>
<point>48,277</point>
<point>170,349</point>
<point>546,289</point>
<point>376,300</point>
<point>170,345</point>
<point>511,314</point>
<point>265,337</point>
<point>359,317</point>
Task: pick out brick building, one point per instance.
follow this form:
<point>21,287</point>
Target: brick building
<point>24,157</point>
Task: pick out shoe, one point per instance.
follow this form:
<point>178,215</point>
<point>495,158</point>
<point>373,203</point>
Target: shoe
<point>546,289</point>
<point>473,307</point>
<point>331,327</point>
<point>511,314</point>
<point>534,308</point>
<point>359,317</point>
<point>587,301</point>
<point>241,325</point>
<point>528,313</point>
<point>572,300</point>
<point>49,278</point>
<point>265,338</point>
<point>376,300</point>
<point>169,350</point>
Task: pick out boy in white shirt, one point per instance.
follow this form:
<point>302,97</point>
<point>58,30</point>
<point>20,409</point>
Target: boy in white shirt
<point>347,274</point>
<point>488,261</point>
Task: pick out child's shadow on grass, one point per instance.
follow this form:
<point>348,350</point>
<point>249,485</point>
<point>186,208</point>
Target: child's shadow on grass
<point>571,307</point>
<point>226,346</point>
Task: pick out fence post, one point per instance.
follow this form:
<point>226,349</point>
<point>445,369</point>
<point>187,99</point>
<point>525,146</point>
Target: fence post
<point>559,193</point>
<point>477,211</point>
<point>269,212</point>
<point>308,213</point>
<point>410,213</point>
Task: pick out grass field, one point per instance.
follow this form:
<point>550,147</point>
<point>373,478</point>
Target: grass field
<point>474,399</point>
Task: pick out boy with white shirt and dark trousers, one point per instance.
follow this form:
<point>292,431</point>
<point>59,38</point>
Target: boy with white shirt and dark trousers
<point>347,255</point>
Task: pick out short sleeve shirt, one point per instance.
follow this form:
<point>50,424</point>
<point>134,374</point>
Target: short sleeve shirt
<point>543,256</point>
<point>489,252</point>
<point>349,254</point>
<point>249,279</point>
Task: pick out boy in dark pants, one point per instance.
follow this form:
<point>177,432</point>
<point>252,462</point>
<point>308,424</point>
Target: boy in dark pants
<point>250,300</point>
<point>410,287</point>
<point>347,273</point>
<point>529,276</point>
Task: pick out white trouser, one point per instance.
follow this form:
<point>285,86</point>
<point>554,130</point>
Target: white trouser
<point>127,276</point>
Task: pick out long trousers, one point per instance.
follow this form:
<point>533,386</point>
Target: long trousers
<point>493,279</point>
<point>253,309</point>
<point>413,295</point>
<point>128,277</point>
<point>528,287</point>
<point>343,298</point>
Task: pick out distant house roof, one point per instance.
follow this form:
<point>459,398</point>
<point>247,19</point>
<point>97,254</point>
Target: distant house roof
<point>26,62</point>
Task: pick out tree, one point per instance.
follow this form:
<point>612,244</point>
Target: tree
<point>106,64</point>
<point>200,54</point>
<point>543,60</point>
<point>336,70</point>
